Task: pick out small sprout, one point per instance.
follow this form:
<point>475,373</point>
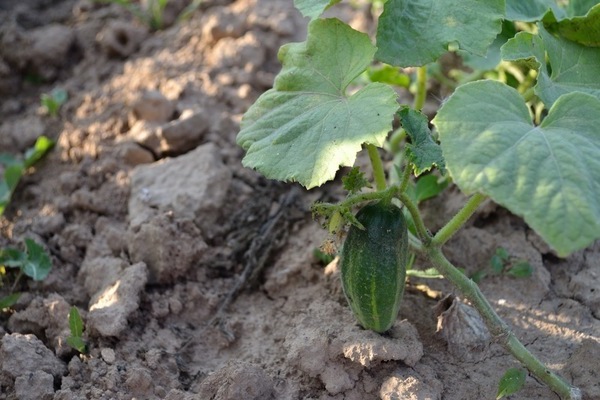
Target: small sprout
<point>53,101</point>
<point>9,301</point>
<point>520,269</point>
<point>322,256</point>
<point>511,382</point>
<point>503,263</point>
<point>355,181</point>
<point>34,262</point>
<point>76,327</point>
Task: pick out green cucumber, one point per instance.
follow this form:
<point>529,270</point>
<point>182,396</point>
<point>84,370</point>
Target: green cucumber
<point>373,263</point>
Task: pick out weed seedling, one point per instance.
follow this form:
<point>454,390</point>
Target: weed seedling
<point>75,340</point>
<point>52,102</point>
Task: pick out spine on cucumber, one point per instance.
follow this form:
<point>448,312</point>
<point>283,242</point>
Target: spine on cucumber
<point>373,263</point>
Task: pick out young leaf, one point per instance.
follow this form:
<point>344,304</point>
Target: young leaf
<point>584,30</point>
<point>12,258</point>
<point>416,32</point>
<point>9,301</point>
<point>42,146</point>
<point>511,382</point>
<point>547,174</point>
<point>38,263</point>
<point>355,180</point>
<point>423,152</point>
<point>77,343</point>
<point>429,186</point>
<point>314,8</point>
<point>502,253</point>
<point>75,322</point>
<point>497,264</point>
<point>521,269</point>
<point>306,127</point>
<point>575,68</point>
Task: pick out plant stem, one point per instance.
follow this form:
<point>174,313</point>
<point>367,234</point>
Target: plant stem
<point>469,289</point>
<point>458,220</point>
<point>498,328</point>
<point>378,171</point>
<point>396,139</point>
<point>422,232</point>
<point>404,179</point>
<point>421,88</point>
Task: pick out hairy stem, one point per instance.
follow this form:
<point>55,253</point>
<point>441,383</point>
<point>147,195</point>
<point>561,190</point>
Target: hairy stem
<point>458,220</point>
<point>378,171</point>
<point>498,328</point>
<point>469,289</point>
<point>421,88</point>
<point>405,178</point>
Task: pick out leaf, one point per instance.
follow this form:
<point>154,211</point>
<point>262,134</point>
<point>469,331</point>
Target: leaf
<point>38,263</point>
<point>575,68</point>
<point>42,146</point>
<point>306,127</point>
<point>423,152</point>
<point>12,258</point>
<point>355,180</point>
<point>429,186</point>
<point>75,322</point>
<point>521,269</point>
<point>314,8</point>
<point>580,7</point>
<point>511,382</point>
<point>8,159</point>
<point>416,32</point>
<point>9,301</point>
<point>502,253</point>
<point>584,30</point>
<point>493,55</point>
<point>390,75</point>
<point>547,174</point>
<point>530,10</point>
<point>77,343</point>
<point>497,264</point>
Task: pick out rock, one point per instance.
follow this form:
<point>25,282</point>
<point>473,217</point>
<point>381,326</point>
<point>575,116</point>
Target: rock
<point>184,133</point>
<point>133,154</point>
<point>111,306</point>
<point>415,383</point>
<point>101,272</point>
<point>192,186</point>
<point>49,49</point>
<point>37,385</point>
<point>237,381</point>
<point>153,106</point>
<point>45,317</point>
<point>167,250</point>
<point>22,355</point>
<point>120,38</point>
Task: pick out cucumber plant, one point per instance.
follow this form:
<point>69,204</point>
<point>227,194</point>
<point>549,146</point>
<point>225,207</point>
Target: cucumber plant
<point>533,149</point>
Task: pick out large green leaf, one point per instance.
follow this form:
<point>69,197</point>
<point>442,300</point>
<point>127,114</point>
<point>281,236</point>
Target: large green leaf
<point>580,7</point>
<point>548,174</point>
<point>530,10</point>
<point>575,68</point>
<point>417,32</point>
<point>584,30</point>
<point>313,8</point>
<point>306,127</point>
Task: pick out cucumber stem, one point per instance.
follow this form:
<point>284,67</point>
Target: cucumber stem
<point>498,328</point>
<point>469,289</point>
<point>458,220</point>
<point>378,171</point>
<point>421,88</point>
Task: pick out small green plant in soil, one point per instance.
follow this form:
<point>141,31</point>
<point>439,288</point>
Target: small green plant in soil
<point>152,12</point>
<point>34,262</point>
<point>75,340</point>
<point>14,168</point>
<point>51,102</point>
<point>521,129</point>
<point>503,263</point>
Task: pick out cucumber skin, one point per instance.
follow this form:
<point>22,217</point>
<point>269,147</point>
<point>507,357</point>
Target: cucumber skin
<point>373,265</point>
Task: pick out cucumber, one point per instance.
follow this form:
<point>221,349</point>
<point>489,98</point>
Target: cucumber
<point>373,263</point>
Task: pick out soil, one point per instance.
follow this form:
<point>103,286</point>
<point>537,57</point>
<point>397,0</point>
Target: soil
<point>195,277</point>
